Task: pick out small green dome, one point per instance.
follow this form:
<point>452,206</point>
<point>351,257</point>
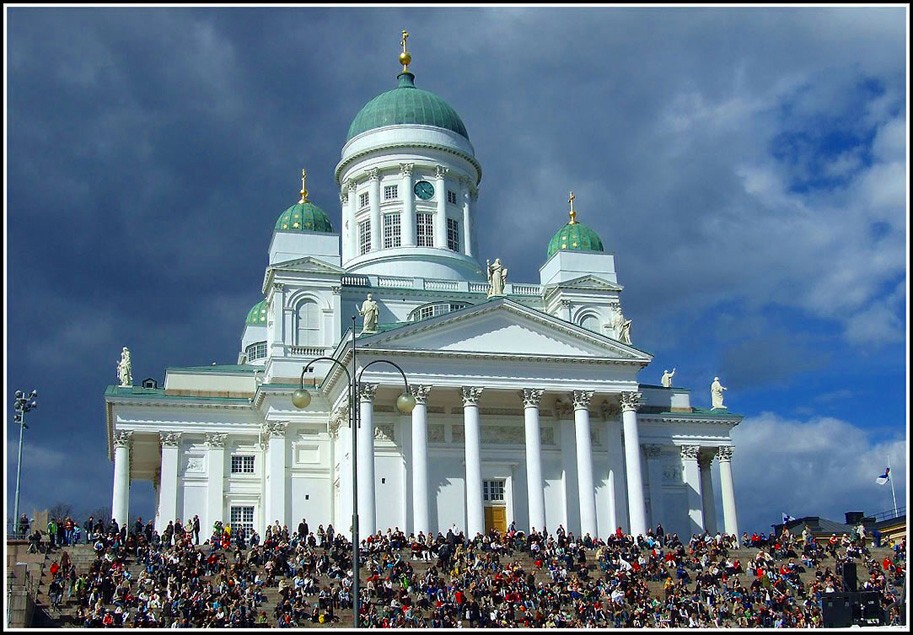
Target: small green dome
<point>407,104</point>
<point>257,314</point>
<point>574,237</point>
<point>304,217</point>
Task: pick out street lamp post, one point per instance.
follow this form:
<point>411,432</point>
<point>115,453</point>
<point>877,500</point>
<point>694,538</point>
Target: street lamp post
<point>301,398</point>
<point>23,403</point>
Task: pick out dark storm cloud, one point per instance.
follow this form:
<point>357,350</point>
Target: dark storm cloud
<point>737,162</point>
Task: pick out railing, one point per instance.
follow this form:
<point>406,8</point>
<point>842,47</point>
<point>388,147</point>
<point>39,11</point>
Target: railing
<point>526,289</point>
<point>478,287</point>
<point>390,281</point>
<point>442,285</point>
<point>891,513</point>
<point>305,351</point>
<point>350,280</point>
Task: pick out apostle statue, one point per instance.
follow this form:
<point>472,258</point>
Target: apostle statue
<point>369,310</point>
<point>621,327</point>
<point>667,378</point>
<point>125,368</point>
<point>497,277</point>
<point>716,394</point>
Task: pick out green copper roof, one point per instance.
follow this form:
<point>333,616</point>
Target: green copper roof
<point>574,237</point>
<point>406,104</point>
<point>257,314</point>
<point>304,217</point>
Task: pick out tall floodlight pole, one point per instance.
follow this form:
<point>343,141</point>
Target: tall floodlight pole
<point>301,398</point>
<point>893,496</point>
<point>23,403</point>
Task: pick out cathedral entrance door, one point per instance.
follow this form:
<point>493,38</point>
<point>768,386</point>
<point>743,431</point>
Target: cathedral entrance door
<point>496,518</point>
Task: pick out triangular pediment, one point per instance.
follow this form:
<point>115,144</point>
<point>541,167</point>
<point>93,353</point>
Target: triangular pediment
<point>589,282</point>
<point>308,264</point>
<point>503,327</point>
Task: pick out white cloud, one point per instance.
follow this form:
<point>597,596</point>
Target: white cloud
<point>818,467</point>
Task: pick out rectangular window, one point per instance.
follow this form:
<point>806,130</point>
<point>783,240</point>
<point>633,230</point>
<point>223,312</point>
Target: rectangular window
<point>453,235</point>
<point>363,200</point>
<point>451,197</point>
<point>257,350</point>
<point>391,230</point>
<point>242,464</point>
<point>364,236</point>
<point>242,517</point>
<point>390,192</point>
<point>493,491</point>
<point>424,230</point>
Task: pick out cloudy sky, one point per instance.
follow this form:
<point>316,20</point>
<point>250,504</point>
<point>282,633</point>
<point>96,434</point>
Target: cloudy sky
<point>746,166</point>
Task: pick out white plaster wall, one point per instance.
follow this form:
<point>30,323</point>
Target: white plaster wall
<point>448,484</point>
<point>311,498</point>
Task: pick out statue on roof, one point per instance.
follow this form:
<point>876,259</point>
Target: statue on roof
<point>125,368</point>
<point>369,310</point>
<point>497,277</point>
<point>716,394</point>
<point>667,378</point>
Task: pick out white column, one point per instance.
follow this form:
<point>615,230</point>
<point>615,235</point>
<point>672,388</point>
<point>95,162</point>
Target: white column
<point>120,503</point>
<point>168,491</point>
<point>730,521</point>
<point>420,514</point>
<point>408,219</point>
<point>585,488</point>
<point>704,462</point>
<point>156,487</point>
<point>367,510</point>
<point>215,485</point>
<point>535,486</point>
<point>350,227</point>
<point>692,478</point>
<point>467,220</point>
<point>276,472</point>
<point>374,177</point>
<point>475,515</point>
<point>618,505</point>
<point>655,473</point>
<point>440,218</point>
<point>637,512</point>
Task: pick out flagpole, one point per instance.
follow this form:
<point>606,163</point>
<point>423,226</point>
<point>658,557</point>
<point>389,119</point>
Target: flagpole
<point>893,496</point>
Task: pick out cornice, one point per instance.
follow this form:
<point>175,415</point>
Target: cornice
<point>343,164</point>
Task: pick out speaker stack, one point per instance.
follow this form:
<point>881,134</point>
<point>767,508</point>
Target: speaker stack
<point>837,610</point>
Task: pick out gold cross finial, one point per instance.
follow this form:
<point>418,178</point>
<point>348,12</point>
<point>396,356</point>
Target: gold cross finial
<point>404,58</point>
<point>573,213</point>
<point>304,189</point>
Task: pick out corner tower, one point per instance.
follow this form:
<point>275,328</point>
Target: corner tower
<point>408,182</point>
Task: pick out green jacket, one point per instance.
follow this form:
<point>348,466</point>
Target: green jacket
<point>52,527</point>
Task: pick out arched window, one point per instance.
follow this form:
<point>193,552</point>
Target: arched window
<point>590,322</point>
<point>308,332</point>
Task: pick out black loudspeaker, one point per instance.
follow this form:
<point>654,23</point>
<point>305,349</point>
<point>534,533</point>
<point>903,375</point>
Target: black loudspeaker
<point>850,584</point>
<point>837,610</point>
<point>870,611</point>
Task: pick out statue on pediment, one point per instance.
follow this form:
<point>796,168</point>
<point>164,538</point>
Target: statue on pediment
<point>369,310</point>
<point>125,368</point>
<point>497,277</point>
<point>716,394</point>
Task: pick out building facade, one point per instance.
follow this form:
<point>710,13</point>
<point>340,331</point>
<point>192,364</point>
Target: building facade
<point>528,403</point>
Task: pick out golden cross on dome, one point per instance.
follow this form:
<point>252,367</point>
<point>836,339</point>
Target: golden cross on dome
<point>304,189</point>
<point>573,213</point>
<point>404,57</point>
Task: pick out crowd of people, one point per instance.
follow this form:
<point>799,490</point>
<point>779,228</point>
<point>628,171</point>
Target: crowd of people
<point>140,578</point>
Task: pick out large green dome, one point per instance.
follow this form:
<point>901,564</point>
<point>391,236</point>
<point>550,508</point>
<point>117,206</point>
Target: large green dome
<point>407,104</point>
<point>304,217</point>
<point>257,315</point>
<point>574,237</point>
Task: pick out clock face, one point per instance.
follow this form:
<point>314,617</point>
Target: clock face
<point>424,190</point>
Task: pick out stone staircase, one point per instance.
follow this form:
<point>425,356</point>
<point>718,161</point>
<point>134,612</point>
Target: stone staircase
<point>83,556</point>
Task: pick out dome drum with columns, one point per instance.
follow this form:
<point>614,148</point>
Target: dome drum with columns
<point>529,403</point>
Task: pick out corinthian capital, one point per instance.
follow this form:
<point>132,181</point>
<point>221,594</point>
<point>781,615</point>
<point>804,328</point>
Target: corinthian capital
<point>652,450</point>
<point>582,399</point>
<point>373,174</point>
<point>170,439</point>
<point>630,400</point>
<point>471,395</point>
<point>406,168</point>
<point>216,440</point>
<point>420,393</point>
<point>366,392</point>
<point>122,439</point>
<point>275,429</point>
<point>440,171</point>
<point>724,453</point>
<point>690,452</point>
<point>532,397</point>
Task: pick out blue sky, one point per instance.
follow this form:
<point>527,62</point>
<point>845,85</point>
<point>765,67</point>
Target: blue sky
<point>747,167</point>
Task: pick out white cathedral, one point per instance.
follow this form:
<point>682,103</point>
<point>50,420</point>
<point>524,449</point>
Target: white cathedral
<point>527,407</point>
